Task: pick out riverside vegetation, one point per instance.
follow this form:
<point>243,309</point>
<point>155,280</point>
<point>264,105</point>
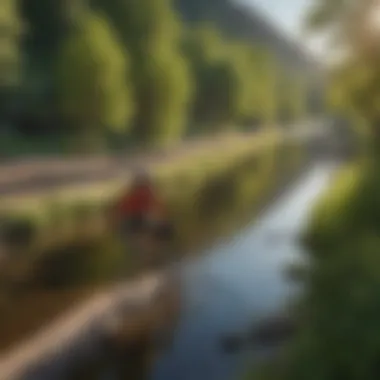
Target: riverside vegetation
<point>339,312</point>
<point>102,75</point>
<point>67,267</point>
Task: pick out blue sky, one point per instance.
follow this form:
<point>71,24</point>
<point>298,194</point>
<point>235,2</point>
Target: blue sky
<point>288,15</point>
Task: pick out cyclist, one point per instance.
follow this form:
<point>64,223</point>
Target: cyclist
<point>141,216</point>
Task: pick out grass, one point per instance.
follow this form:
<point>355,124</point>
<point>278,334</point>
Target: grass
<point>192,169</point>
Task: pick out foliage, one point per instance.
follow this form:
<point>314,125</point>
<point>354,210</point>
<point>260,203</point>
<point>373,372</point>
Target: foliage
<point>151,31</point>
<point>203,48</point>
<point>265,70</point>
<point>341,305</point>
<point>353,89</point>
<point>11,27</point>
<point>256,75</point>
<point>349,23</point>
<point>47,25</point>
<point>234,81</point>
<point>179,78</point>
<point>290,99</point>
<point>92,77</point>
<point>339,311</point>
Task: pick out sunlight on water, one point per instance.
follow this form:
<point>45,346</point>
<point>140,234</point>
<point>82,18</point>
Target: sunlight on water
<point>238,282</point>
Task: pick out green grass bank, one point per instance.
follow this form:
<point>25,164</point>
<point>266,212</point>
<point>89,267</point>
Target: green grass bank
<point>339,312</point>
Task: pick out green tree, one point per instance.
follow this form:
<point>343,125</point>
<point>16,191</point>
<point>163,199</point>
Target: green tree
<point>93,80</point>
<point>355,78</point>
<point>263,71</point>
<point>10,57</point>
<point>220,69</point>
<point>291,98</point>
<point>339,310</point>
<point>48,24</point>
<point>151,31</point>
<point>11,28</point>
<point>240,55</point>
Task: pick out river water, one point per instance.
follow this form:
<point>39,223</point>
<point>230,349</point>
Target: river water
<point>237,282</point>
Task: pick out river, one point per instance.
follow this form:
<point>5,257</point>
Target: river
<point>238,281</point>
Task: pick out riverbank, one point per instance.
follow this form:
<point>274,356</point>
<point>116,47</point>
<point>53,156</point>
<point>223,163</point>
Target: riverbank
<point>247,181</point>
<point>54,215</point>
<point>48,220</point>
<point>338,310</point>
<point>239,281</point>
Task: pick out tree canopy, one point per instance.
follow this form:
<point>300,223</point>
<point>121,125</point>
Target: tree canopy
<point>177,77</point>
<point>11,28</point>
<point>93,77</point>
<point>151,31</point>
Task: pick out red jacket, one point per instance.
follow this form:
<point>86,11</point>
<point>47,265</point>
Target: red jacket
<point>140,201</point>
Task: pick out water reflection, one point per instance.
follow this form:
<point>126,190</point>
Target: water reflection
<point>237,282</point>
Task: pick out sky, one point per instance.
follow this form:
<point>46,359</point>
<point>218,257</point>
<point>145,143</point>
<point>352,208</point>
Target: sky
<point>288,15</point>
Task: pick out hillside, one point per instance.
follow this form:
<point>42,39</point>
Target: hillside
<point>235,20</point>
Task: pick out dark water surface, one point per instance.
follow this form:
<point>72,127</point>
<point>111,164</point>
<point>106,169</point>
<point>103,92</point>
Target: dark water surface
<point>238,281</point>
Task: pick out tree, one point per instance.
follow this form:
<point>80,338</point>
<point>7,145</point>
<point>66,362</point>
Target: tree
<point>339,308</point>
<point>151,31</point>
<point>10,58</point>
<point>263,71</point>
<point>222,93</point>
<point>48,24</point>
<point>11,28</point>
<point>243,61</point>
<point>93,80</point>
<point>354,79</point>
<point>291,98</point>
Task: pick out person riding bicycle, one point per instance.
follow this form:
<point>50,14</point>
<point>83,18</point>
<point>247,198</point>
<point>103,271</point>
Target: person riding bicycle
<point>141,216</point>
<point>140,205</point>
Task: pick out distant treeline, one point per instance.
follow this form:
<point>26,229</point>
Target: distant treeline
<point>133,71</point>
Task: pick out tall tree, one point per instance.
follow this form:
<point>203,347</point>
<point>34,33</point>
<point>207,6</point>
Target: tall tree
<point>48,24</point>
<point>92,79</point>
<point>151,31</point>
<point>10,58</point>
<point>291,98</point>
<point>263,79</point>
<point>222,89</point>
<point>354,79</point>
<point>11,28</point>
